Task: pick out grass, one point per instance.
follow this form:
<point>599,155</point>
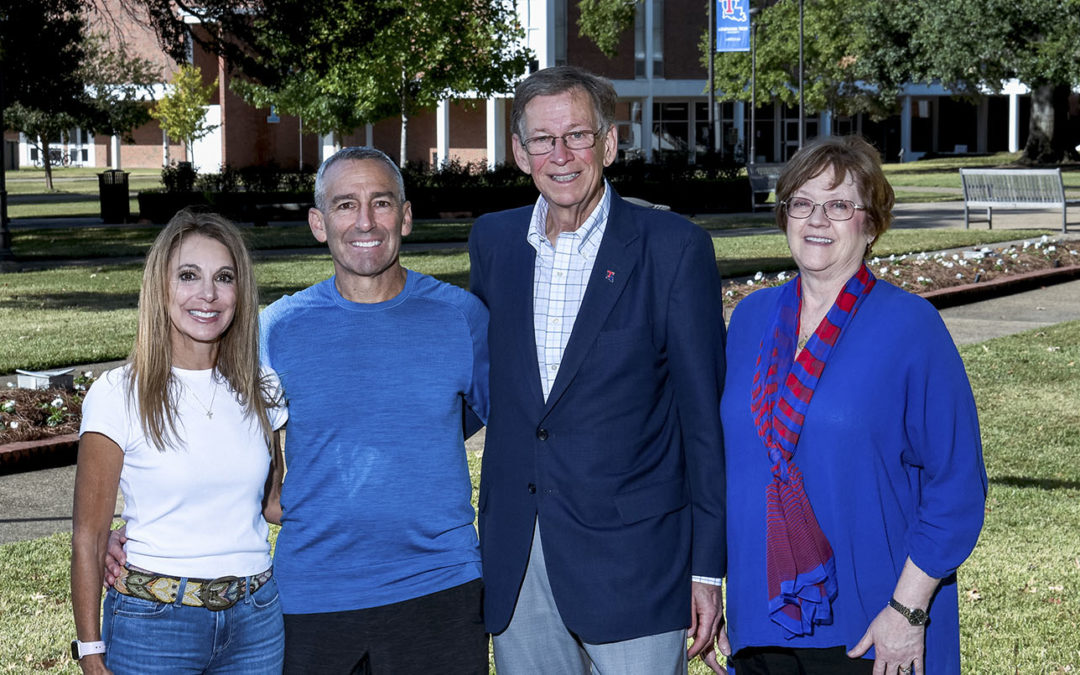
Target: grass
<point>86,313</point>
<point>1020,590</point>
<point>111,242</point>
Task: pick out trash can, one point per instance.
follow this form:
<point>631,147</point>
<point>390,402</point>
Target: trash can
<point>113,194</point>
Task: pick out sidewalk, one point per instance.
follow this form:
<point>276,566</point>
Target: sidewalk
<point>38,503</point>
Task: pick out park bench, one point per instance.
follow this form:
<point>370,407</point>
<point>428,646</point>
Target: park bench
<point>1013,189</point>
<point>762,182</point>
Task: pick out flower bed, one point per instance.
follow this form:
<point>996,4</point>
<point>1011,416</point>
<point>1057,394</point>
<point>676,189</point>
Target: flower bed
<point>924,272</point>
<point>34,414</point>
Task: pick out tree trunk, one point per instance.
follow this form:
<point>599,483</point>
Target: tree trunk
<point>404,138</point>
<point>46,162</point>
<point>1048,135</point>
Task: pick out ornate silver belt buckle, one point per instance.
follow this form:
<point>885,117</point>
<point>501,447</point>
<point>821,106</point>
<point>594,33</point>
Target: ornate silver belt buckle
<point>214,594</point>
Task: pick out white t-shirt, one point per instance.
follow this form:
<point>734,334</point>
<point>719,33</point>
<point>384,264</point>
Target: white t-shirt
<point>195,508</point>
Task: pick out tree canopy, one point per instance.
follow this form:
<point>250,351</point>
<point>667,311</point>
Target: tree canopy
<point>859,55</point>
<point>342,63</point>
<point>182,112</point>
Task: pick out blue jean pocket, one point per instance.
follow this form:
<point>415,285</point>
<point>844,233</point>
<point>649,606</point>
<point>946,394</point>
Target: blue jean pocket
<point>266,596</point>
<point>126,605</point>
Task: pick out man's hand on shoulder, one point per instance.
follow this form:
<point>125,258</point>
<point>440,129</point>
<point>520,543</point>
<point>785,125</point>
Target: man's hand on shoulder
<point>707,615</point>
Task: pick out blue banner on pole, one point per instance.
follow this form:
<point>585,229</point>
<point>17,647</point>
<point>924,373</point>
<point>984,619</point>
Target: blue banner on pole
<point>732,25</point>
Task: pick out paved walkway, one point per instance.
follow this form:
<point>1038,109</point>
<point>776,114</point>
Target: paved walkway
<point>37,503</point>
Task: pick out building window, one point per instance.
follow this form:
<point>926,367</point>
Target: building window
<point>641,44</point>
<point>560,33</point>
<point>671,127</point>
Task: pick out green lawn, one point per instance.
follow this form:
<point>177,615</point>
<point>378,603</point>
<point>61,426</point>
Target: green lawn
<point>70,315</point>
<point>1019,590</point>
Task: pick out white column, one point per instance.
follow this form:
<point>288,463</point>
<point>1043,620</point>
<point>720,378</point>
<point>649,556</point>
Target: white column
<point>115,151</point>
<point>740,127</point>
<point>1014,122</point>
<point>327,146</point>
<point>905,127</point>
<point>496,131</point>
<point>164,148</point>
<point>825,124</point>
<point>369,135</point>
<point>647,137</point>
<point>442,132</point>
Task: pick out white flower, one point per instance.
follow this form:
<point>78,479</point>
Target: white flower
<point>903,285</point>
<point>948,264</point>
<point>896,273</point>
<point>892,257</point>
<point>57,402</point>
<point>781,276</point>
<point>1074,252</point>
<point>730,294</point>
<point>1051,249</point>
<point>14,425</point>
<point>955,256</point>
<point>959,276</point>
<point>1015,256</point>
<point>759,276</point>
<point>875,260</point>
<point>883,270</point>
<point>749,282</point>
<point>88,373</point>
<point>8,406</point>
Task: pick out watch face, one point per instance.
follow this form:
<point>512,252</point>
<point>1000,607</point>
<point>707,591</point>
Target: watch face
<point>918,617</point>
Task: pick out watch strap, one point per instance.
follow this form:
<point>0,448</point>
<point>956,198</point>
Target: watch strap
<point>81,649</point>
<point>916,617</point>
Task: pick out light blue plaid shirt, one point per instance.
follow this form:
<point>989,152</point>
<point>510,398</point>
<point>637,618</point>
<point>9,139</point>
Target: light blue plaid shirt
<point>560,278</point>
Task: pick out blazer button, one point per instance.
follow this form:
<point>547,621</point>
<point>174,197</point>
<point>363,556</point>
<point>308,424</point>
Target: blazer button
<point>532,489</point>
<point>542,434</point>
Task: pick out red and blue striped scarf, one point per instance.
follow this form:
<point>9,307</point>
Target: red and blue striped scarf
<point>800,567</point>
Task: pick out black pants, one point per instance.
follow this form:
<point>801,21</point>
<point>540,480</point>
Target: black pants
<point>438,633</point>
<point>786,661</point>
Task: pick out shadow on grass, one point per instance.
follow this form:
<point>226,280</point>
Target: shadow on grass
<point>1040,483</point>
<point>72,300</point>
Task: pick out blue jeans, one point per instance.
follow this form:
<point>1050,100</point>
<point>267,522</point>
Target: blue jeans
<point>147,637</point>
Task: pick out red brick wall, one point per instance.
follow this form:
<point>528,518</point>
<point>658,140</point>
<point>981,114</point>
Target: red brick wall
<point>582,52</point>
<point>685,22</point>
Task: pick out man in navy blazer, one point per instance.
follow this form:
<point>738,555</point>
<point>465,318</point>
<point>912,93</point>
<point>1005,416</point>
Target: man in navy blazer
<point>602,491</point>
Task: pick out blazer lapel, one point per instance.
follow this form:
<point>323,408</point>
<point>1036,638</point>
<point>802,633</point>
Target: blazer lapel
<point>520,268</point>
<point>615,261</point>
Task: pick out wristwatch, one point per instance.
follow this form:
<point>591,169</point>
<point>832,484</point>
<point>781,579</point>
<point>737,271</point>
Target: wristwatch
<point>81,649</point>
<point>916,617</point>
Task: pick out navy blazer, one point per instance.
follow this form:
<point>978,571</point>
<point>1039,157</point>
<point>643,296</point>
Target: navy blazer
<point>624,464</point>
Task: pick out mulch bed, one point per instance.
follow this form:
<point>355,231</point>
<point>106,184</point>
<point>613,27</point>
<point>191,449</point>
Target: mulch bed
<point>25,414</point>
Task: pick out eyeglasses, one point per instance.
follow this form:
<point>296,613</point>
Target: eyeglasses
<point>575,140</point>
<point>834,209</point>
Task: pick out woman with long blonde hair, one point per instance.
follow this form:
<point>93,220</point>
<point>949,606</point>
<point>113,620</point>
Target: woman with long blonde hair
<point>184,431</point>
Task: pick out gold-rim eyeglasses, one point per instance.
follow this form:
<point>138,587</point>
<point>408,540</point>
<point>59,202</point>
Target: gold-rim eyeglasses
<point>574,140</point>
<point>834,209</point>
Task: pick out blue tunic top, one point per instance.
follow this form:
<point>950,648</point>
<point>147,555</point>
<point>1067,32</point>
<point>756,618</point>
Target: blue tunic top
<point>376,501</point>
<point>892,465</point>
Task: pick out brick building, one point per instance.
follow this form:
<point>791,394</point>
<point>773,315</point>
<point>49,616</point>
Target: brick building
<point>663,107</point>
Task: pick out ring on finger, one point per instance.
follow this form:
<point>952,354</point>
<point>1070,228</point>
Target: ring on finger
<point>904,670</point>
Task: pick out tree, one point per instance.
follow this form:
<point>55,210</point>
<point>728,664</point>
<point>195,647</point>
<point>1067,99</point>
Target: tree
<point>833,47</point>
<point>346,63</point>
<point>41,56</point>
<point>121,86</point>
<point>974,46</point>
<point>182,112</point>
<point>604,22</point>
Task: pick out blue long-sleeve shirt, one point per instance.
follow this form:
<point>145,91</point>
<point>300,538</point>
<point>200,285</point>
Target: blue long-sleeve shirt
<point>891,461</point>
